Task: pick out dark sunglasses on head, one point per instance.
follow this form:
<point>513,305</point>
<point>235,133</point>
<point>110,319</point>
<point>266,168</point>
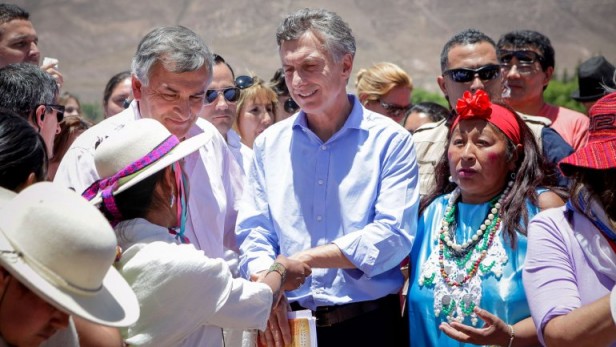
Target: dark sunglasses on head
<point>230,94</point>
<point>290,106</point>
<point>523,57</point>
<point>244,81</point>
<point>58,108</point>
<point>395,110</point>
<point>462,75</point>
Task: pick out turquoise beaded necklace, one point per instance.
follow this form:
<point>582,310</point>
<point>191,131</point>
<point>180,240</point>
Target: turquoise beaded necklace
<point>480,242</point>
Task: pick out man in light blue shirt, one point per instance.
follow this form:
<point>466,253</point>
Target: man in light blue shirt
<point>334,186</point>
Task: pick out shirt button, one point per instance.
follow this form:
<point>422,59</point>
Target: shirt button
<point>323,147</point>
<point>320,182</point>
<point>319,218</point>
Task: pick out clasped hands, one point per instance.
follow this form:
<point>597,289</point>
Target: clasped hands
<point>278,332</point>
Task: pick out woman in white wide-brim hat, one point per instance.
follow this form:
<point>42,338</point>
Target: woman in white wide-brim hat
<point>56,256</point>
<point>186,298</point>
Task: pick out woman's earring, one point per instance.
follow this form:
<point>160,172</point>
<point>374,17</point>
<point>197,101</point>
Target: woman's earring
<point>450,179</point>
<point>172,200</point>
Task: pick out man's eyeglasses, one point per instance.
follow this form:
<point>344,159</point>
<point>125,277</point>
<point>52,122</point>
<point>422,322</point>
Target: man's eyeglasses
<point>463,75</point>
<point>230,94</point>
<point>395,110</point>
<point>523,57</point>
<point>58,108</point>
<point>290,106</point>
<point>526,61</point>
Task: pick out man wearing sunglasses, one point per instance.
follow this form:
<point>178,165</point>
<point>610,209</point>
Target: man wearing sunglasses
<point>220,109</point>
<point>469,62</point>
<point>32,93</point>
<point>527,59</point>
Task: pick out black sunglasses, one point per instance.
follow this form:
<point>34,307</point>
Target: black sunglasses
<point>230,94</point>
<point>523,57</point>
<point>244,81</point>
<point>462,75</point>
<point>58,108</point>
<point>290,106</point>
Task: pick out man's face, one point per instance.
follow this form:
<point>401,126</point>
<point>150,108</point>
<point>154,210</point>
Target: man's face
<point>473,56</point>
<point>221,112</point>
<point>525,78</point>
<point>18,43</point>
<point>25,318</point>
<point>49,126</point>
<point>314,80</point>
<point>174,99</point>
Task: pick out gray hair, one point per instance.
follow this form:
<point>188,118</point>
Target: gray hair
<point>326,25</point>
<point>463,38</point>
<point>25,86</point>
<point>177,48</point>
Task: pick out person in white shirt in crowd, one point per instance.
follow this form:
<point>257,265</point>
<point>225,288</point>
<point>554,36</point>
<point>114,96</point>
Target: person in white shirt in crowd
<point>60,269</point>
<point>186,298</point>
<point>170,74</point>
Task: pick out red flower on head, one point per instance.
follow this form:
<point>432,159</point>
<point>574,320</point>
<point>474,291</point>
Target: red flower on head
<point>474,105</point>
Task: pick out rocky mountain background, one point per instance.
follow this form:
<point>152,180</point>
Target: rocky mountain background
<point>95,39</point>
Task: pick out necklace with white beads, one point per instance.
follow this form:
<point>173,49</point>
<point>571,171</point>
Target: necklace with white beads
<point>456,283</point>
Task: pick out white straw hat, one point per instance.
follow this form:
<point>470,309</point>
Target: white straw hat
<point>130,147</point>
<point>62,248</point>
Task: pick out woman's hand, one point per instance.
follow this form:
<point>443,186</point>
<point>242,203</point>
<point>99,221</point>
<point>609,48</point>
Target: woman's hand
<point>278,331</point>
<point>493,332</point>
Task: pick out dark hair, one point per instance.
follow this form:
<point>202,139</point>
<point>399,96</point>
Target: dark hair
<point>112,84</point>
<point>599,183</point>
<point>9,12</point>
<point>524,39</point>
<point>278,84</point>
<point>138,200</point>
<point>22,151</point>
<point>434,111</point>
<point>463,38</point>
<point>531,172</point>
<point>23,87</point>
<point>218,59</point>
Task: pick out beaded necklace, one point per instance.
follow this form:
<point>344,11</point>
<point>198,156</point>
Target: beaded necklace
<point>457,289</point>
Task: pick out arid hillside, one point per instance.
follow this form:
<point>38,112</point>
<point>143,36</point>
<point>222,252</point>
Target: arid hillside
<point>95,39</point>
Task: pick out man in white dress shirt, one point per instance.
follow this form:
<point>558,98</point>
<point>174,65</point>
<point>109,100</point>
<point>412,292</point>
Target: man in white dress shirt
<point>170,74</point>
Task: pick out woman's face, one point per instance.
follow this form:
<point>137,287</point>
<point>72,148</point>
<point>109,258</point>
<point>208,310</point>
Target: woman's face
<point>477,155</point>
<point>25,318</point>
<point>71,108</point>
<point>120,93</point>
<point>254,117</point>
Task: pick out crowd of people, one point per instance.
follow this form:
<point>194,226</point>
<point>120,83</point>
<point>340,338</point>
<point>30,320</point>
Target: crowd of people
<point>207,206</point>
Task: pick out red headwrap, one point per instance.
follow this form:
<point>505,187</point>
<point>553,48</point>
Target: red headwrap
<point>478,105</point>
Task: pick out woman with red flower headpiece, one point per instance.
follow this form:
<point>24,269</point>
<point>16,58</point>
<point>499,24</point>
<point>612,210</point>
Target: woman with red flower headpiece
<point>570,268</point>
<point>471,237</point>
